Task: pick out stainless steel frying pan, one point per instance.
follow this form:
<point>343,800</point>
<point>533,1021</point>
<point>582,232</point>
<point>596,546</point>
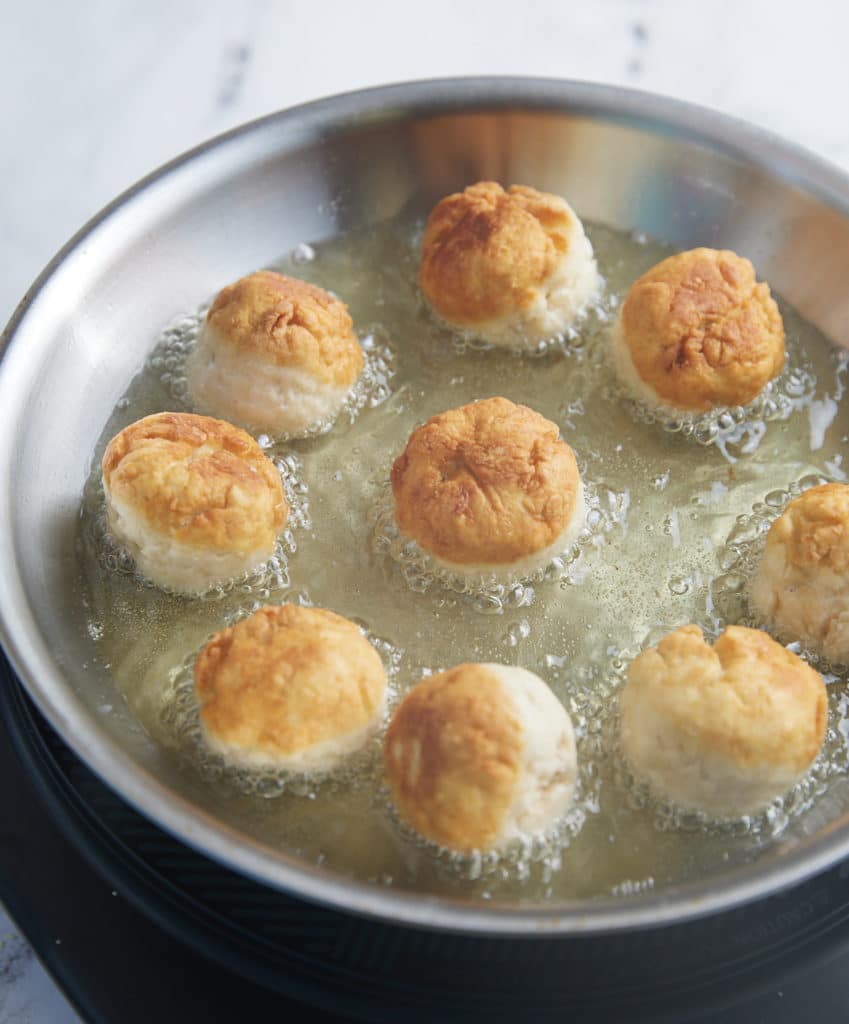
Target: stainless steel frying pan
<point>84,329</point>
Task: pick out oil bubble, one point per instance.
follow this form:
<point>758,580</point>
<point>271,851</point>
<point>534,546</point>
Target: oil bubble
<point>373,387</point>
<point>493,592</point>
<point>271,575</point>
<point>739,430</point>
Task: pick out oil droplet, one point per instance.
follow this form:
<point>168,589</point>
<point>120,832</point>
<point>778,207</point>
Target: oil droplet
<point>302,253</point>
<point>517,632</point>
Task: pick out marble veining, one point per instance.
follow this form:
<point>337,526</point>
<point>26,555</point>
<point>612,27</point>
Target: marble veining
<point>27,994</point>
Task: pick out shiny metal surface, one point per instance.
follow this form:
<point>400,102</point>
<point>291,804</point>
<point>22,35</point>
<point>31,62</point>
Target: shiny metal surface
<point>632,160</point>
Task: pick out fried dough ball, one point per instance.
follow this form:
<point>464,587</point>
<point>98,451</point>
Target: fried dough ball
<point>479,756</point>
<point>697,331</point>
<point>722,729</point>
<point>801,587</point>
<point>194,500</point>
<point>289,687</point>
<point>487,487</point>
<point>513,268</point>
<point>276,355</point>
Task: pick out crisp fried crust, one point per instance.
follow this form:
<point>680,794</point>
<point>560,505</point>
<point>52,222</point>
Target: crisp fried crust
<point>486,252</point>
<point>199,481</point>
<point>701,331</point>
<point>801,586</point>
<point>287,679</point>
<point>488,483</point>
<point>290,323</point>
<point>453,757</point>
<point>814,529</point>
<point>746,699</point>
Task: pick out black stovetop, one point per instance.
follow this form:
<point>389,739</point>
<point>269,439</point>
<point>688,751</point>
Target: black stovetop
<point>116,965</point>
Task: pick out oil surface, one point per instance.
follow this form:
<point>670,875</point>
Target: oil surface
<point>675,513</point>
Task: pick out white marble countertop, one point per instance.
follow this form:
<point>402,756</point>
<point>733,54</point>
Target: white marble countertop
<point>95,94</point>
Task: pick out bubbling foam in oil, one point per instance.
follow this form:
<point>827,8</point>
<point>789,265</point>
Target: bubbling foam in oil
<point>179,716</point>
<point>570,340</point>
<point>491,592</point>
<point>739,561</point>
<point>767,824</point>
<point>371,389</point>
<point>664,545</point>
<point>736,430</point>
<point>272,575</point>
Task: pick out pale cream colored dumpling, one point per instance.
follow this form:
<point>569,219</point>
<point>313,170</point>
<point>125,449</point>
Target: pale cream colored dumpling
<point>801,587</point>
<point>194,500</point>
<point>698,331</point>
<point>489,487</point>
<point>479,756</point>
<point>512,267</point>
<point>276,355</point>
<point>300,689</point>
<point>722,729</point>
